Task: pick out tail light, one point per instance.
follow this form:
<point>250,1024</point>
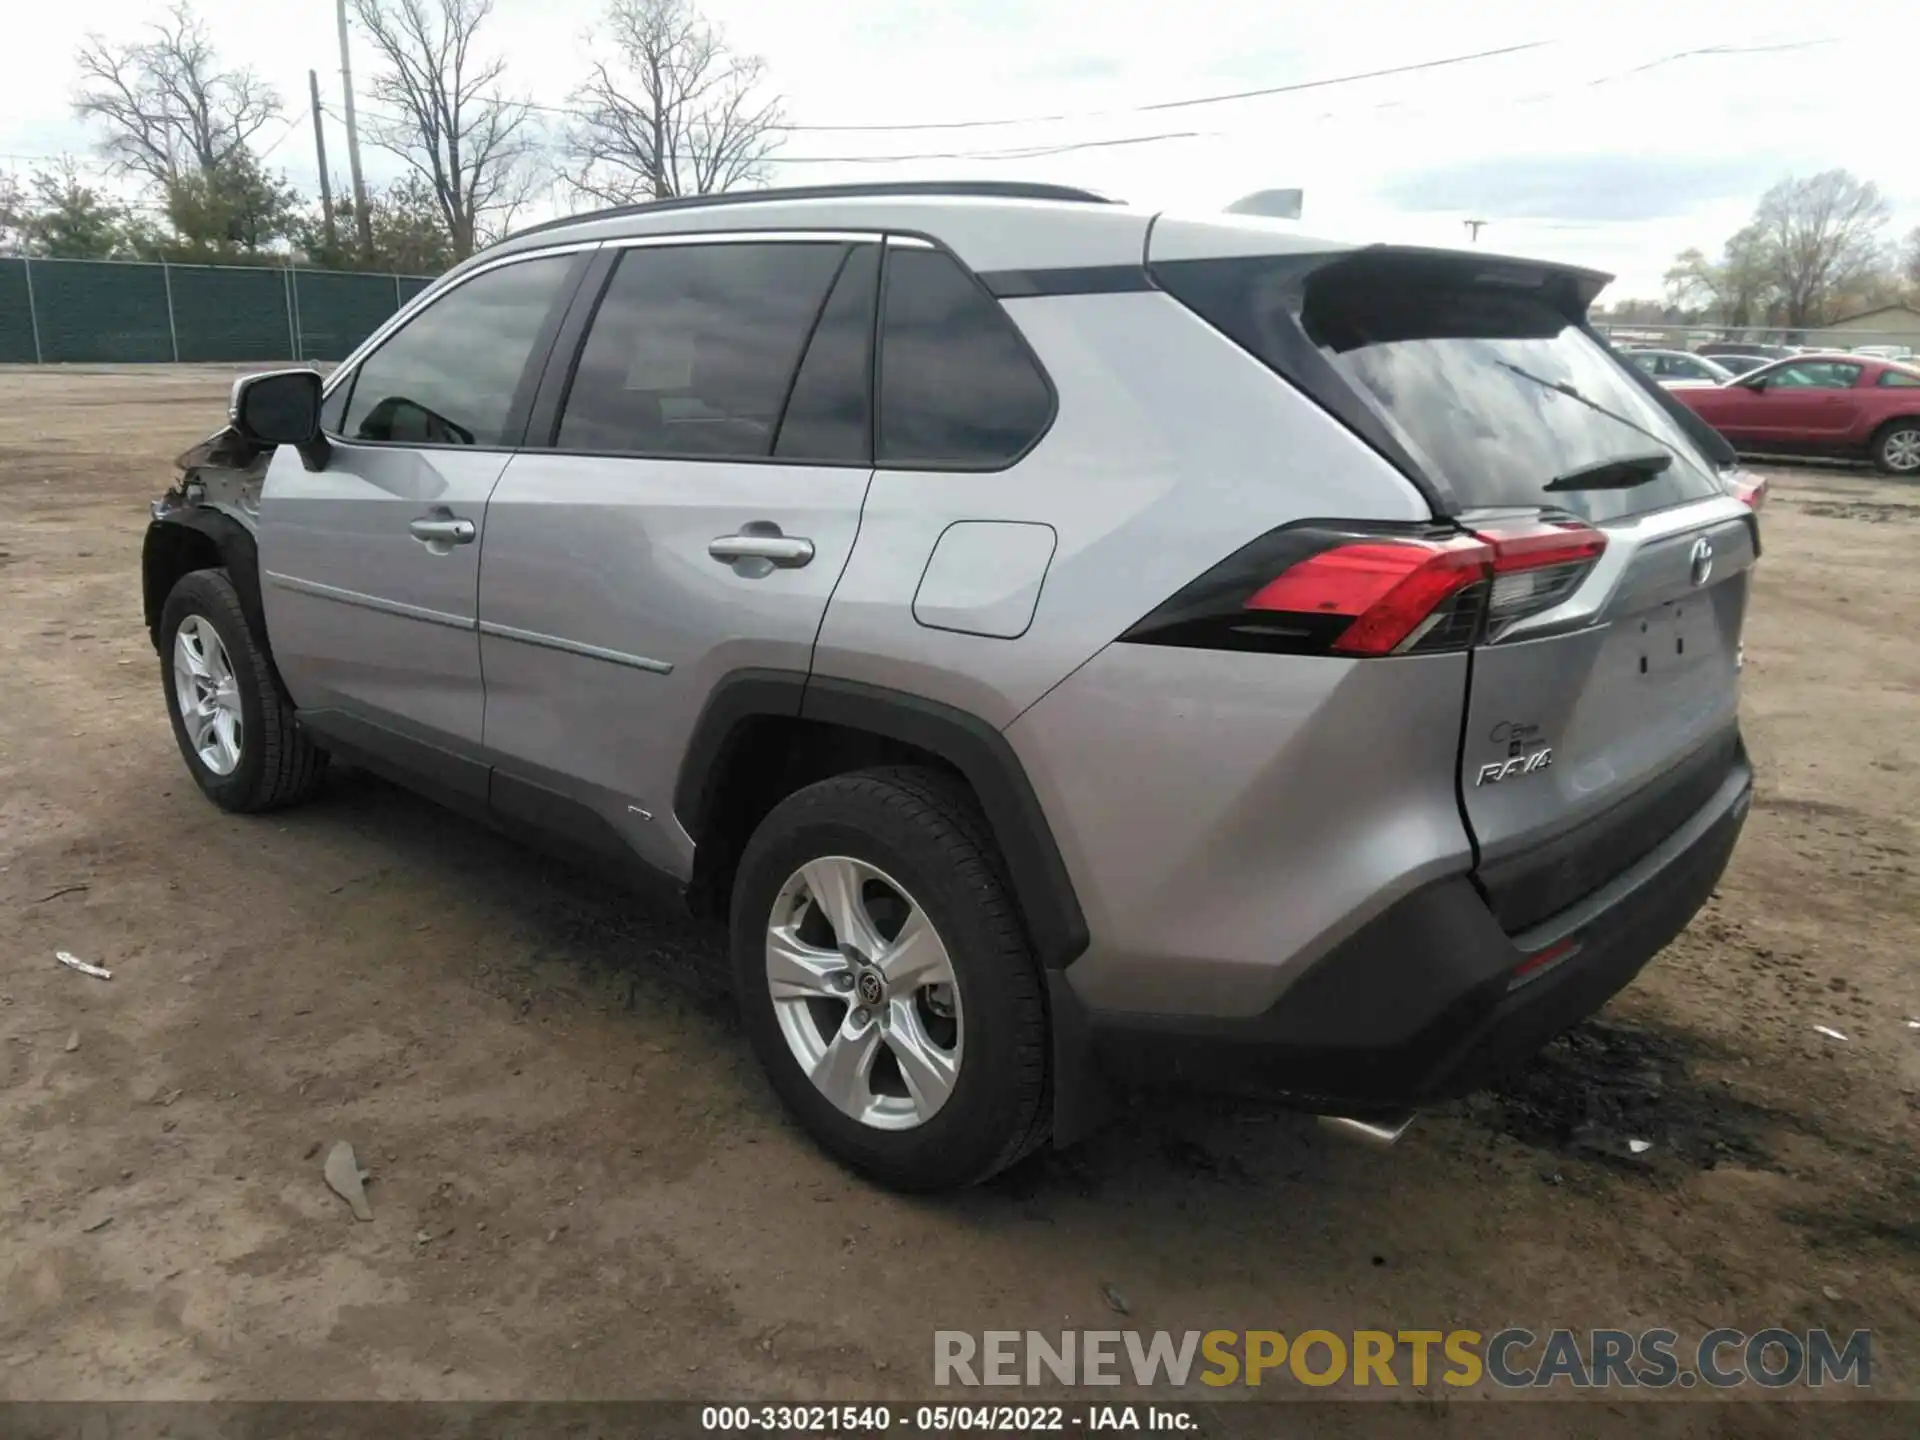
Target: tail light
<point>1746,487</point>
<point>1327,589</point>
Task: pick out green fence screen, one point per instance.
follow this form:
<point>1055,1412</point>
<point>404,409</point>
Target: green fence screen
<point>54,311</point>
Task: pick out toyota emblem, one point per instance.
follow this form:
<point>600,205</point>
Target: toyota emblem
<point>869,988</point>
<point>1700,562</point>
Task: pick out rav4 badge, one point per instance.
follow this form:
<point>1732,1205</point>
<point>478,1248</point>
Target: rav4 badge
<point>1514,766</point>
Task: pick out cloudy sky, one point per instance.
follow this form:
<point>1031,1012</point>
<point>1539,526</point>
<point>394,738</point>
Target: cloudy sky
<point>1612,143</point>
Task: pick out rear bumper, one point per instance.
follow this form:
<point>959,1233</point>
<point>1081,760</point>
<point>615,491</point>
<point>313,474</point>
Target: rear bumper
<point>1422,1003</point>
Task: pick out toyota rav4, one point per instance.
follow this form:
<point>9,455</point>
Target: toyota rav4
<point>1069,645</point>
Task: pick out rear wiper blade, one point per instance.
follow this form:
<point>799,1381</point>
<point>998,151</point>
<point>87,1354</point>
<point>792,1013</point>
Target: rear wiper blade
<point>1618,472</point>
<point>1562,387</point>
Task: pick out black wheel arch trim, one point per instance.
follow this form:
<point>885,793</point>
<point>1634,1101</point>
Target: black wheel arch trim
<point>237,551</point>
<point>1055,922</point>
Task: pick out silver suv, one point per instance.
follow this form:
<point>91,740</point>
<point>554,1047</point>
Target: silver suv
<point>1070,645</point>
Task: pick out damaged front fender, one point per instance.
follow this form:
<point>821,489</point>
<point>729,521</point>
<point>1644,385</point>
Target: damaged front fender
<point>207,520</point>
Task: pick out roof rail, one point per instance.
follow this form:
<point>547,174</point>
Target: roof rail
<point>985,189</point>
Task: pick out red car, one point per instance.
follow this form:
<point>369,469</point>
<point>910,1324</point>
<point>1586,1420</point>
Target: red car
<point>1848,407</point>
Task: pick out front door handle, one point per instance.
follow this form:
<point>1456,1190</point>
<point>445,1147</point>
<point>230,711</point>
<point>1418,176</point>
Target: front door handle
<point>786,551</point>
<point>442,530</point>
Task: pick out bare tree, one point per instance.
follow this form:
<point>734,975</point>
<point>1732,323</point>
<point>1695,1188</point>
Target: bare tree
<point>1822,237</point>
<point>169,107</point>
<point>673,111</point>
<point>1910,258</point>
<point>1737,290</point>
<point>471,144</point>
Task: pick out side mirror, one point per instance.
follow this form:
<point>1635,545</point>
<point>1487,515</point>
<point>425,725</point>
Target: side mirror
<point>280,407</point>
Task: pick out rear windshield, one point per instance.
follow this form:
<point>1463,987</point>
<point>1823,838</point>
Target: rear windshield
<point>1496,392</point>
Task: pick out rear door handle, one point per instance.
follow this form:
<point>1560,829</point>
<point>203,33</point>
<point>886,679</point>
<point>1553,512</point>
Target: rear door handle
<point>445,531</point>
<point>786,551</point>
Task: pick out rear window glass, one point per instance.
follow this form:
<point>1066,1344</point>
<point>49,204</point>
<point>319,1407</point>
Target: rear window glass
<point>1497,393</point>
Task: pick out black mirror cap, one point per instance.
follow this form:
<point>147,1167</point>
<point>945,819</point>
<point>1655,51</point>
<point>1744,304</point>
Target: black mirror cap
<point>280,407</point>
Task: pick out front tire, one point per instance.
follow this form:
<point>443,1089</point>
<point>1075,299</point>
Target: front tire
<point>885,982</point>
<point>234,727</point>
<point>1896,450</point>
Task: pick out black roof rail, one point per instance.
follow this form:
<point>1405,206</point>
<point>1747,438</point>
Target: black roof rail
<point>985,189</point>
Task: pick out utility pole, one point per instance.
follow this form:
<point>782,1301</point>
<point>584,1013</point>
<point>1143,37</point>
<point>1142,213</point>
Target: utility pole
<point>360,215</point>
<point>320,153</point>
<point>1473,229</point>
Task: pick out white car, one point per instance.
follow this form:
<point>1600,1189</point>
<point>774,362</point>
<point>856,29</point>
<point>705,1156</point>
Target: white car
<point>1679,370</point>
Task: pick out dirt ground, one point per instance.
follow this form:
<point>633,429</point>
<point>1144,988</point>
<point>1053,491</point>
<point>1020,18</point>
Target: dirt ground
<point>583,1189</point>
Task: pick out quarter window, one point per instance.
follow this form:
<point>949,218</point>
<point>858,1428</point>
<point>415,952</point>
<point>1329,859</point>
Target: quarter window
<point>451,375</point>
<point>958,388</point>
<point>1900,379</point>
<point>694,347</point>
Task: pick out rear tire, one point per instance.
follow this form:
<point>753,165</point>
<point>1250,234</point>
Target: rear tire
<point>234,726</point>
<point>1896,449</point>
<point>914,848</point>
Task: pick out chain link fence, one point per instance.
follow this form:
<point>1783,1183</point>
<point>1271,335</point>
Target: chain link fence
<point>1897,342</point>
<point>66,311</point>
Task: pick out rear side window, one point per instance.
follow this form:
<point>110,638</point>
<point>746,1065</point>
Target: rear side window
<point>451,376</point>
<point>829,417</point>
<point>958,388</point>
<point>694,347</point>
<point>1900,378</point>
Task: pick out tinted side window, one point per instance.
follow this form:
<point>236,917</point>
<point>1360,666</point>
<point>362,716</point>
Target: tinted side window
<point>1899,377</point>
<point>828,417</point>
<point>450,376</point>
<point>957,387</point>
<point>1815,375</point>
<point>693,349</point>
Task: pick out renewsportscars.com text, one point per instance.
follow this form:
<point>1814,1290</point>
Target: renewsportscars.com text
<point>1513,1358</point>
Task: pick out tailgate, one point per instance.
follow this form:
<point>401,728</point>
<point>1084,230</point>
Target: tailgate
<point>1588,744</point>
<point>1603,694</point>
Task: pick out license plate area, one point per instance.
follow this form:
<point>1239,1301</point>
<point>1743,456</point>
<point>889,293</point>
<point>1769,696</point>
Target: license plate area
<point>1675,637</point>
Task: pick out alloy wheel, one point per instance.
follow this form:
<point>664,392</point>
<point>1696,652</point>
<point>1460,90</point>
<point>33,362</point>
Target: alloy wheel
<point>1902,451</point>
<point>209,697</point>
<point>864,993</point>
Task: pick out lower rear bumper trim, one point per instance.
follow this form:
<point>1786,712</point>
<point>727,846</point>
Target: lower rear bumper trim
<point>1419,1005</point>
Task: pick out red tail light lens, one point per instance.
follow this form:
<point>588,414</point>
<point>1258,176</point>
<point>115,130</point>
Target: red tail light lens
<point>1749,489</point>
<point>1393,592</point>
<point>1322,589</point>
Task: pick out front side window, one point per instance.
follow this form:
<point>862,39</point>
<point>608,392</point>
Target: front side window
<point>958,388</point>
<point>451,375</point>
<point>1814,375</point>
<point>694,348</point>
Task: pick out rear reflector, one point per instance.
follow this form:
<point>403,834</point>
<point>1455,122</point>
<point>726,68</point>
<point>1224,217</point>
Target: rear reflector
<point>1370,591</point>
<point>1541,961</point>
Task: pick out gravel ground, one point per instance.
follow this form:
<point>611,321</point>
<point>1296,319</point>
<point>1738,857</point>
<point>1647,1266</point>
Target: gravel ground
<point>581,1188</point>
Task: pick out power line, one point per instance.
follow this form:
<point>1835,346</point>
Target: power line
<point>1138,109</point>
<point>281,139</point>
<point>1040,150</point>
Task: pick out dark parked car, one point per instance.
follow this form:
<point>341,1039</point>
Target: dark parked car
<point>1740,364</point>
<point>1720,349</point>
<point>1847,407</point>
